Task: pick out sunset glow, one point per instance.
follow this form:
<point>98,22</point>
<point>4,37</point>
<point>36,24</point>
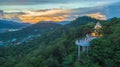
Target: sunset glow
<point>98,16</point>
<point>33,11</point>
<point>56,15</point>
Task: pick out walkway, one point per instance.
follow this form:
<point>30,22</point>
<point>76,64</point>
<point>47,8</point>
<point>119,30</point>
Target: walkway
<point>85,41</point>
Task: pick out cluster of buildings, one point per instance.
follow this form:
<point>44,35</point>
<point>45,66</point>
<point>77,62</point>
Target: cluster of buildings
<point>16,41</point>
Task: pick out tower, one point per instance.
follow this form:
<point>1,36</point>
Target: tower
<point>1,14</point>
<point>98,26</point>
<point>97,30</point>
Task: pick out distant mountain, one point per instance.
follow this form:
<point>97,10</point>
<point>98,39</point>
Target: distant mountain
<point>62,22</point>
<point>46,27</point>
<point>11,25</point>
<point>5,25</point>
<point>35,29</point>
<point>81,21</point>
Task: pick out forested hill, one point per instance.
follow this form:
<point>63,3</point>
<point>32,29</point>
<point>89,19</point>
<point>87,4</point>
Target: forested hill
<point>35,29</point>
<point>58,49</point>
<point>4,24</point>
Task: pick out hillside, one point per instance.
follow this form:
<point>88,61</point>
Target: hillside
<point>5,26</point>
<point>11,25</point>
<point>35,29</point>
<point>62,22</point>
<point>58,49</point>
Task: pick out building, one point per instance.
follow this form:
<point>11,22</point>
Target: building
<point>1,14</point>
<point>98,26</point>
<point>97,30</point>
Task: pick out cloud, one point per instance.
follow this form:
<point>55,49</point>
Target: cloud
<point>31,2</point>
<point>46,12</point>
<point>20,5</point>
<point>58,14</point>
<point>98,16</point>
<point>41,15</point>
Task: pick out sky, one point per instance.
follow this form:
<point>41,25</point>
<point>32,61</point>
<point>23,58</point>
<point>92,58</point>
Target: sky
<point>54,10</point>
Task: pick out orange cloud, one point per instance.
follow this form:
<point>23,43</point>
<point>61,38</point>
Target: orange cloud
<point>98,16</point>
<point>50,15</point>
<point>10,16</point>
<point>32,19</point>
<point>56,15</point>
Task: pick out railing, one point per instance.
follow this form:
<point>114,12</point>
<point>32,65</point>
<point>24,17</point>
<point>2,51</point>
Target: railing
<point>85,41</point>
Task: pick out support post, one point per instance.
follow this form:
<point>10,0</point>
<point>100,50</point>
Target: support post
<point>78,52</point>
<point>87,48</point>
<point>83,48</point>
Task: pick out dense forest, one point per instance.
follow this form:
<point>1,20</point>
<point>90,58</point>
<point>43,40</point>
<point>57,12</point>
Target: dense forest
<point>58,49</point>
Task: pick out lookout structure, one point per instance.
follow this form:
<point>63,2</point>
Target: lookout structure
<point>83,44</point>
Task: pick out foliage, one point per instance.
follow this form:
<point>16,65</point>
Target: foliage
<point>58,49</point>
